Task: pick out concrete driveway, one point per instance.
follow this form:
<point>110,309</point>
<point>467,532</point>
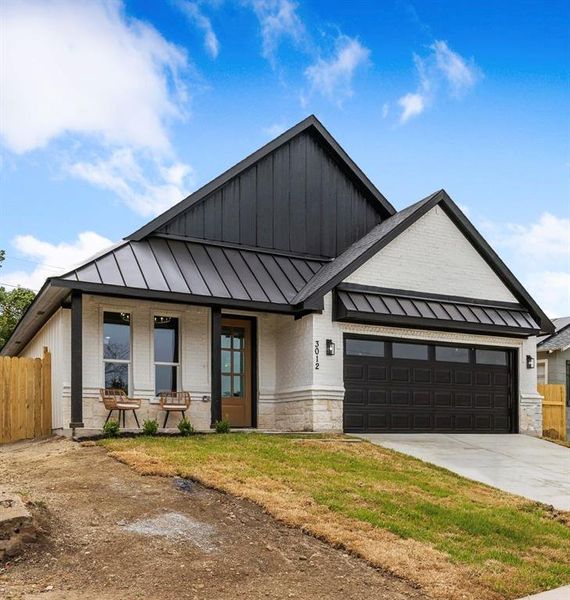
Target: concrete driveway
<point>518,464</point>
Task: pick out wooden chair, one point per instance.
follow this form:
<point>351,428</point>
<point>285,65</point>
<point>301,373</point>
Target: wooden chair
<point>174,402</point>
<point>115,399</point>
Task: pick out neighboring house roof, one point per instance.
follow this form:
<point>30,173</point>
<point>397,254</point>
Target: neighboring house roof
<point>194,273</point>
<point>559,340</point>
<point>364,304</point>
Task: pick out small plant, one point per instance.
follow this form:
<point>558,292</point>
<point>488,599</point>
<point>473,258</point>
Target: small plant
<point>150,427</point>
<point>185,427</point>
<point>223,426</point>
<point>111,428</point>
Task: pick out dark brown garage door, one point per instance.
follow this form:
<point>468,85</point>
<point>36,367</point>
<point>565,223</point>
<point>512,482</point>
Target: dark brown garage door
<point>400,386</point>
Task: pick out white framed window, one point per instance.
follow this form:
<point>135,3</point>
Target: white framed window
<point>542,371</point>
<point>166,353</point>
<point>117,350</point>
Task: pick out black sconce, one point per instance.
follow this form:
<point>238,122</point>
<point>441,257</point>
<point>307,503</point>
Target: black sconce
<point>330,348</point>
<point>529,361</point>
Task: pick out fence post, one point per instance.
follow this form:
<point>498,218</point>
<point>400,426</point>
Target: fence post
<point>46,392</point>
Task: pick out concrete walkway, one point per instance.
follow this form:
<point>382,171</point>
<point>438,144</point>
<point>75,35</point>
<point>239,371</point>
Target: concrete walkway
<point>518,464</point>
<point>562,593</point>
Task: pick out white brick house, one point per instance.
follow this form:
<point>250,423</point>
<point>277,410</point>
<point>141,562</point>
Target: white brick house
<point>288,294</point>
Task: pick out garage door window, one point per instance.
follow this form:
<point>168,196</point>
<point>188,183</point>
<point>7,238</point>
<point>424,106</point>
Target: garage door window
<point>410,351</point>
<point>355,347</point>
<point>491,357</point>
<point>451,354</point>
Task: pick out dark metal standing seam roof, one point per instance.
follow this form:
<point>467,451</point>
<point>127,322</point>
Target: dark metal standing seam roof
<point>368,305</point>
<point>158,265</point>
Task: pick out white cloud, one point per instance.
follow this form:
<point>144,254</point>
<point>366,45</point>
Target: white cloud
<point>278,20</point>
<point>459,74</point>
<point>551,289</point>
<point>539,253</point>
<point>274,130</point>
<point>333,77</point>
<point>548,238</point>
<point>412,106</point>
<point>148,188</point>
<point>194,14</point>
<point>441,66</point>
<point>52,259</point>
<point>385,109</point>
<point>85,68</point>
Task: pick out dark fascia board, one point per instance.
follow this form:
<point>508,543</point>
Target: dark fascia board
<point>495,262</point>
<point>356,287</point>
<point>174,297</point>
<point>429,203</point>
<point>442,199</point>
<point>310,123</point>
<point>349,316</point>
<point>10,348</point>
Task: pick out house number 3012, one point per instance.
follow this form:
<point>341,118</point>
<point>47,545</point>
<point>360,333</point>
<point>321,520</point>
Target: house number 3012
<point>317,352</point>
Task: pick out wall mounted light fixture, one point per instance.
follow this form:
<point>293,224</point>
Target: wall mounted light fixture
<point>529,361</point>
<point>330,348</point>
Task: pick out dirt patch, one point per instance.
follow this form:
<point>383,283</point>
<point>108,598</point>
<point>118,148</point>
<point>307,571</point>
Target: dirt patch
<point>110,533</point>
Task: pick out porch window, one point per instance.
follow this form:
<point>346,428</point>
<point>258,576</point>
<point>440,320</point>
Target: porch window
<point>166,355</point>
<point>117,350</point>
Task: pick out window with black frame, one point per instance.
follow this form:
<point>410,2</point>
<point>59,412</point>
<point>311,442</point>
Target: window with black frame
<point>117,350</point>
<point>166,354</point>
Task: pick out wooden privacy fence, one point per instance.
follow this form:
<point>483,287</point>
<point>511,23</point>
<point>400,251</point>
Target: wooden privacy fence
<point>553,410</point>
<point>25,397</point>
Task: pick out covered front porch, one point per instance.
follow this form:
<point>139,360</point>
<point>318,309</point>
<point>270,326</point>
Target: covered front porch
<point>253,368</point>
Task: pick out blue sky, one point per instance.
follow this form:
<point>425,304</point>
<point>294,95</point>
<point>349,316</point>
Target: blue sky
<point>112,111</point>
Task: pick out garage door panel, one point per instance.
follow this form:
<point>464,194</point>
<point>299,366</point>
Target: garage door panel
<point>461,377</point>
<point>463,423</point>
<point>354,371</point>
<point>422,375</point>
<point>443,399</point>
<point>400,398</point>
<point>377,397</point>
<point>445,389</point>
<point>376,373</point>
<point>463,400</point>
<point>422,422</point>
<point>483,378</point>
<point>443,376</point>
<point>421,398</point>
<point>378,422</point>
<point>500,379</point>
<point>400,374</point>
<point>355,397</point>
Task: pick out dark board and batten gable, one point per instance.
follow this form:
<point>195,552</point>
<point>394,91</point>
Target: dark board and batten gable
<point>301,193</point>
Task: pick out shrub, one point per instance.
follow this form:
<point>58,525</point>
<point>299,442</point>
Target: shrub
<point>185,427</point>
<point>150,427</point>
<point>111,428</point>
<point>223,426</point>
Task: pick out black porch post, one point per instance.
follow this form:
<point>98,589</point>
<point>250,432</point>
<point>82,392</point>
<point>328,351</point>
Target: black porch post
<point>76,360</point>
<point>216,362</point>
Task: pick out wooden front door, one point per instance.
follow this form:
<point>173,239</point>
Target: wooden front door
<point>236,372</point>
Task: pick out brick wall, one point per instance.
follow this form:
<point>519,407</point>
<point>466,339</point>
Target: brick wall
<point>432,255</point>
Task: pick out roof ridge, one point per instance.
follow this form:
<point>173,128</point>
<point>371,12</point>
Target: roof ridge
<point>306,124</point>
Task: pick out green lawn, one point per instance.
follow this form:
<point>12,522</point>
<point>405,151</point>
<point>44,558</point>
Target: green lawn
<point>419,521</point>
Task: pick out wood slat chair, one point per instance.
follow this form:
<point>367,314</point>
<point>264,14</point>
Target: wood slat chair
<point>115,399</point>
<point>174,402</point>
